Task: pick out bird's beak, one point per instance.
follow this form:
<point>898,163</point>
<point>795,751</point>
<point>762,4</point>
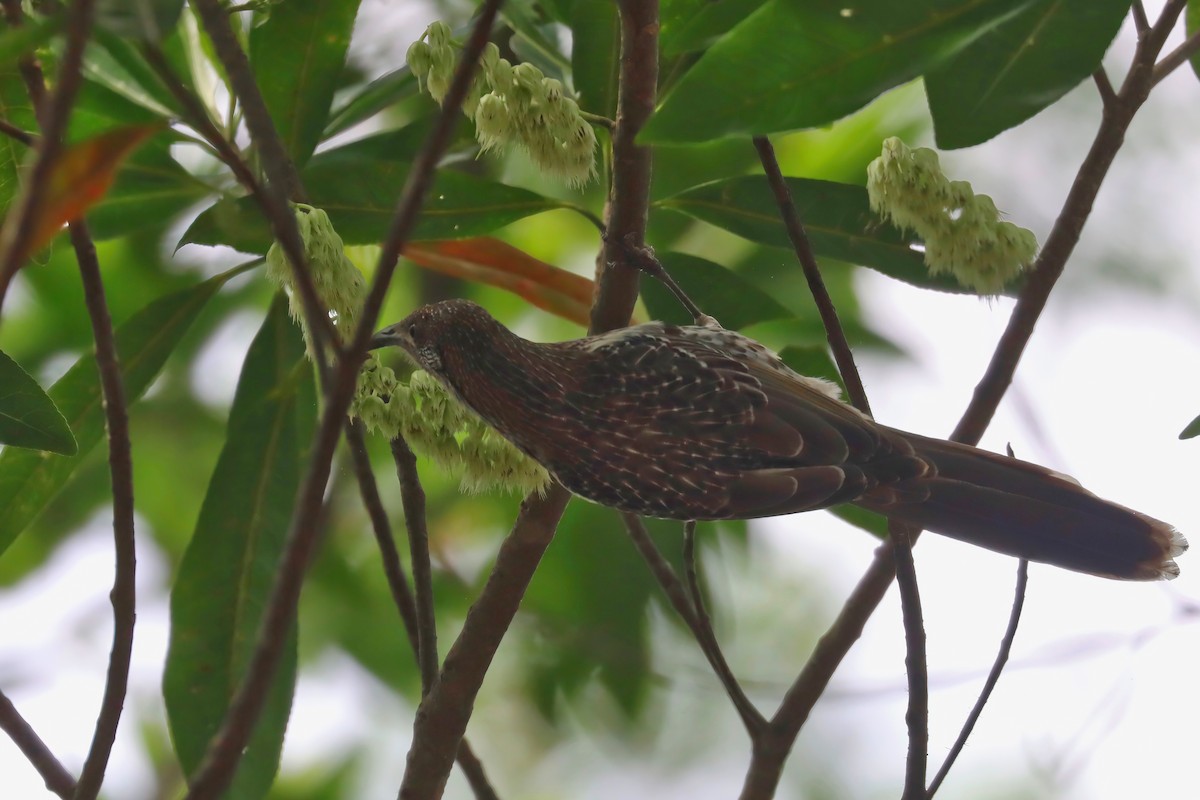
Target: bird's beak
<point>384,338</point>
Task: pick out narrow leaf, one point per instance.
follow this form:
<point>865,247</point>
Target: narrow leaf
<point>298,54</point>
<point>794,64</point>
<point>1026,63</point>
<point>360,197</point>
<point>228,570</point>
<point>80,178</point>
<point>29,480</point>
<point>837,217</point>
<point>1192,430</point>
<point>595,55</point>
<point>28,417</point>
<point>495,263</point>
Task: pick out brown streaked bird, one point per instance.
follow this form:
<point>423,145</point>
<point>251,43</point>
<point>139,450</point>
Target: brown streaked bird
<point>701,423</point>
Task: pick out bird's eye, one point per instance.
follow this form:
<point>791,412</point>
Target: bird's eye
<point>412,331</point>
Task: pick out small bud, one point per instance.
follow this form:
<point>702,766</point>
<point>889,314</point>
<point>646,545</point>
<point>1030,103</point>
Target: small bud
<point>438,34</point>
<point>493,125</point>
<point>419,58</point>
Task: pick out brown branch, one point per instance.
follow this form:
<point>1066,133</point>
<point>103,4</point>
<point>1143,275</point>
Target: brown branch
<point>1177,57</point>
<point>120,464</point>
<point>443,714</point>
<point>812,273</point>
<point>691,611</point>
<point>915,663</point>
<point>53,112</point>
<point>1141,22</point>
<point>13,132</point>
<point>1067,228</point>
<point>389,556</point>
<point>629,192</point>
<point>470,764</point>
<point>767,764</point>
<point>1006,643</point>
<point>413,497</point>
<point>226,747</point>
<point>283,181</point>
<point>1108,95</point>
<point>57,779</point>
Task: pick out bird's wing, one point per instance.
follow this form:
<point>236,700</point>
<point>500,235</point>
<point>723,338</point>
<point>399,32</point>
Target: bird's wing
<point>712,431</point>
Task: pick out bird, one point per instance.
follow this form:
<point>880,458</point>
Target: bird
<point>696,422</point>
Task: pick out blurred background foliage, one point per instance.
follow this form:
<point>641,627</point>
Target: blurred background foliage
<point>596,654</point>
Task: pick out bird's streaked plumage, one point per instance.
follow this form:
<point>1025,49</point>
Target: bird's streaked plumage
<point>696,422</point>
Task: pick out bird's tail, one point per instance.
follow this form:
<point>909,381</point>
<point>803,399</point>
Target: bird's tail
<point>1024,510</point>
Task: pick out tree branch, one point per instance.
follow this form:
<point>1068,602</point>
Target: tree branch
<point>1006,643</point>
<point>691,611</point>
<point>915,663</point>
<point>389,557</point>
<point>418,542</point>
<point>812,273</point>
<point>53,113</point>
<point>57,779</point>
<point>120,464</point>
<point>629,192</point>
<point>225,749</point>
<point>767,764</point>
<point>443,714</point>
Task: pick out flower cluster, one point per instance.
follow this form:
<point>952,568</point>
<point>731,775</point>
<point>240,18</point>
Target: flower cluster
<point>428,416</point>
<point>511,104</point>
<point>963,233</point>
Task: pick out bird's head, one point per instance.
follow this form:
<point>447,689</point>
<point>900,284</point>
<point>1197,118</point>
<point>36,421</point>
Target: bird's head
<point>433,333</point>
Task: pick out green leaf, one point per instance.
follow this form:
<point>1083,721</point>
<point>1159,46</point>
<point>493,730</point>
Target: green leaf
<point>28,417</point>
<point>298,54</point>
<point>377,95</point>
<point>837,217</point>
<point>689,25</point>
<point>804,63</point>
<point>1026,63</point>
<point>1192,430</point>
<point>29,480</point>
<point>815,362</point>
<point>118,63</point>
<point>725,295</point>
<point>226,575</point>
<point>17,42</point>
<point>595,55</point>
<point>360,196</point>
<point>148,20</point>
<point>151,188</point>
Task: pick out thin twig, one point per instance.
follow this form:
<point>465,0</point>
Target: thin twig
<point>687,609</point>
<point>120,464</point>
<point>53,112</point>
<point>1108,95</point>
<point>389,556</point>
<point>838,344</point>
<point>413,497</point>
<point>226,747</point>
<point>283,181</point>
<point>752,718</point>
<point>642,257</point>
<point>443,714</point>
<point>1141,22</point>
<point>402,596</point>
<point>57,779</point>
<point>13,132</point>
<point>915,663</point>
<point>766,766</point>
<point>1177,57</point>
<point>629,192</point>
<point>1006,643</point>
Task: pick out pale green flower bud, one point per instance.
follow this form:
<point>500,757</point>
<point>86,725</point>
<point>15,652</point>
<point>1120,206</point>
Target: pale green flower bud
<point>419,58</point>
<point>493,125</point>
<point>438,34</point>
